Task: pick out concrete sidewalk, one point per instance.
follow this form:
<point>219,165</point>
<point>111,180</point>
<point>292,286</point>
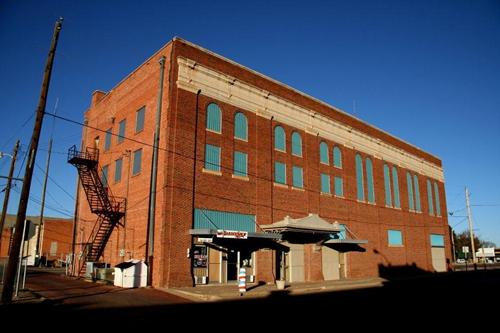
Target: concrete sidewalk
<point>217,292</point>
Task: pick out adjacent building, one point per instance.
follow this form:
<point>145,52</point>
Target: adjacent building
<point>250,173</point>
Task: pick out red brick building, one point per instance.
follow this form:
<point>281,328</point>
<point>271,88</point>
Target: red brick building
<point>55,239</point>
<point>239,151</point>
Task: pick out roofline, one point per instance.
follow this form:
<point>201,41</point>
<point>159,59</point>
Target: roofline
<point>178,39</point>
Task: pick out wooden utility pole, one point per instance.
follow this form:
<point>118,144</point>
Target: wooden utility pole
<point>7,190</point>
<point>471,232</point>
<point>39,238</point>
<point>8,286</point>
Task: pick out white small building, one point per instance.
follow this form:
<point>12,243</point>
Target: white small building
<point>486,254</point>
<point>131,274</point>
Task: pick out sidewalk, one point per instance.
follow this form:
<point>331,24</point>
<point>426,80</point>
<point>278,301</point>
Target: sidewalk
<point>217,292</point>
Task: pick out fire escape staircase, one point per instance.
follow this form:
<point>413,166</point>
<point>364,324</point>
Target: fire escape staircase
<point>109,209</point>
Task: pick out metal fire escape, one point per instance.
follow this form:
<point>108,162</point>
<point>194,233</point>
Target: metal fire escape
<point>109,209</point>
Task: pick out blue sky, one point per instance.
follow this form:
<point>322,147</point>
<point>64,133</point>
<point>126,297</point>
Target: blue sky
<point>425,71</point>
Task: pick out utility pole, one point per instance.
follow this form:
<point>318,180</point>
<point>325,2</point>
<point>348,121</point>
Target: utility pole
<point>7,190</point>
<point>154,172</point>
<point>39,244</point>
<point>8,286</point>
<point>469,218</point>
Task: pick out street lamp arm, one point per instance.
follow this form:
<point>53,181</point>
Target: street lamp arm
<point>2,154</point>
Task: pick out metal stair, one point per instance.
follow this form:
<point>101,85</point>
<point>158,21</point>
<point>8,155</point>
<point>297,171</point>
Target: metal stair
<point>109,209</point>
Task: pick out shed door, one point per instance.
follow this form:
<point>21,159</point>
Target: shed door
<point>438,259</point>
<point>214,265</point>
<point>331,264</point>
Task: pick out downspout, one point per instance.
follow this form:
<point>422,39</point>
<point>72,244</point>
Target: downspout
<point>154,173</point>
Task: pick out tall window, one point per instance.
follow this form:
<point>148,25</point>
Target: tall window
<point>296,144</point>
<point>436,196</point>
<point>212,158</point>
<point>118,170</point>
<point>107,140</point>
<point>121,130</point>
<point>360,187</point>
<point>369,180</point>
<point>387,186</point>
<point>240,164</point>
<point>297,174</point>
<point>411,197</point>
<point>416,188</point>
<point>279,138</point>
<point>214,119</point>
<point>136,166</point>
<point>139,119</point>
<point>339,186</point>
<point>104,175</point>
<point>280,172</point>
<point>240,126</point>
<point>325,183</point>
<point>323,153</point>
<point>395,187</point>
<point>337,157</point>
<point>429,197</point>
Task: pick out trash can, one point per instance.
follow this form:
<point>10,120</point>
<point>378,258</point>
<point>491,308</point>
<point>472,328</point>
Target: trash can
<point>131,274</point>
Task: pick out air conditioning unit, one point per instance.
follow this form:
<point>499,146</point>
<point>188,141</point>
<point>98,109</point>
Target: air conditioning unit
<point>200,279</point>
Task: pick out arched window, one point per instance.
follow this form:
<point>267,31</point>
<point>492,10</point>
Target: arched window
<point>369,180</point>
<point>360,187</point>
<point>395,187</point>
<point>323,153</point>
<point>337,157</point>
<point>240,126</point>
<point>214,118</point>
<point>411,198</point>
<point>387,186</point>
<point>429,197</point>
<point>296,144</point>
<point>279,138</point>
<point>416,188</point>
<point>436,196</point>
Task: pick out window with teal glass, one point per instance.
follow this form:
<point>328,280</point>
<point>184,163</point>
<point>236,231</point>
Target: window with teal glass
<point>137,164</point>
<point>337,157</point>
<point>416,188</point>
<point>240,164</point>
<point>360,186</point>
<point>280,172</point>
<point>279,138</point>
<point>395,187</point>
<point>323,153</point>
<point>339,186</point>
<point>212,157</point>
<point>139,119</point>
<point>387,186</point>
<point>121,130</point>
<point>107,140</point>
<point>369,180</point>
<point>214,118</point>
<point>298,180</point>
<point>212,219</point>
<point>118,170</point>
<point>296,144</point>
<point>240,126</point>
<point>395,237</point>
<point>437,240</point>
<point>438,203</point>
<point>325,183</point>
<point>104,175</point>
<point>429,197</point>
<point>411,199</point>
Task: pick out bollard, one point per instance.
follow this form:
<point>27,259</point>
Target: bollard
<point>242,281</point>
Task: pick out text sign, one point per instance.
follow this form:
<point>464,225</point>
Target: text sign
<point>232,234</point>
<point>465,249</point>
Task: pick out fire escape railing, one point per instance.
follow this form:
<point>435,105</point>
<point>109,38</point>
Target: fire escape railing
<point>109,209</point>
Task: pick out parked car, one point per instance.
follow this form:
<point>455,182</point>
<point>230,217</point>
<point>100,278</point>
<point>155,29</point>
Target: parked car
<point>460,261</point>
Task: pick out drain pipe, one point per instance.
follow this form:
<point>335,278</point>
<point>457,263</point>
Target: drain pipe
<point>154,172</point>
